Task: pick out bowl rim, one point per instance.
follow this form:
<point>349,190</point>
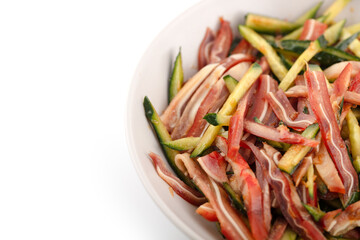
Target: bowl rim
<point>130,101</point>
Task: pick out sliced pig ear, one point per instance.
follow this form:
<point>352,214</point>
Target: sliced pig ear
<point>215,166</point>
<point>222,43</point>
<point>207,212</point>
<point>286,195</point>
<point>312,30</point>
<point>205,48</point>
<point>285,112</point>
<point>334,70</point>
<point>232,225</point>
<point>321,105</point>
<point>340,222</point>
<point>181,189</point>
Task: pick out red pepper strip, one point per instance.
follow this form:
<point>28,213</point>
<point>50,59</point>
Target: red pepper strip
<point>280,134</point>
<point>339,222</point>
<point>181,189</point>
<point>244,47</point>
<point>236,125</point>
<point>245,182</point>
<point>312,30</point>
<point>186,120</point>
<point>215,166</point>
<point>260,107</point>
<point>173,112</point>
<point>265,188</point>
<point>334,70</point>
<point>301,170</point>
<point>285,112</point>
<point>278,229</point>
<point>251,192</point>
<point>285,193</point>
<point>207,212</point>
<point>232,226</point>
<point>205,48</point>
<point>222,43</point>
<point>215,98</point>
<point>320,104</point>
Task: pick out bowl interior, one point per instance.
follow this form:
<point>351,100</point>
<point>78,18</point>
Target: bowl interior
<point>151,79</point>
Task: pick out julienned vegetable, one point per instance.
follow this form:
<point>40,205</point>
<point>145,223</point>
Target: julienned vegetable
<point>261,139</point>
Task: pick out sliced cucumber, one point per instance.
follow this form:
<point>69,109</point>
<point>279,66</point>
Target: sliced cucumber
<point>354,45</point>
<point>164,136</point>
<point>217,119</point>
<point>316,213</point>
<point>291,159</point>
<point>268,24</point>
<point>310,181</point>
<point>353,28</point>
<point>177,77</point>
<point>265,48</point>
<point>327,57</point>
<point>314,48</point>
<point>235,198</point>
<point>286,61</point>
<point>333,33</point>
<point>347,39</point>
<point>289,234</point>
<point>334,10</point>
<point>229,106</point>
<point>297,46</point>
<point>230,82</point>
<point>309,14</point>
<point>183,144</point>
<point>354,137</point>
<point>330,55</point>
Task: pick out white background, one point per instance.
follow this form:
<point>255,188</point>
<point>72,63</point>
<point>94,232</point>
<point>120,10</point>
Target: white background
<point>65,68</point>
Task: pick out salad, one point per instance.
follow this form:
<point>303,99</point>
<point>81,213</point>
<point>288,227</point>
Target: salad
<point>264,139</point>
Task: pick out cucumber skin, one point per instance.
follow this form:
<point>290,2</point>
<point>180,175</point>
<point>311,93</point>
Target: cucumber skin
<point>269,25</point>
<point>316,213</point>
<point>163,136</point>
<point>183,144</point>
<point>177,78</point>
<point>309,14</point>
<point>327,57</point>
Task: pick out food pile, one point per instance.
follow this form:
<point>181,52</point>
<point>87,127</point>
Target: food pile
<point>264,139</point>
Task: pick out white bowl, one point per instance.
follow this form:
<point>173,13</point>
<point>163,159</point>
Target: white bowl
<point>151,79</point>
